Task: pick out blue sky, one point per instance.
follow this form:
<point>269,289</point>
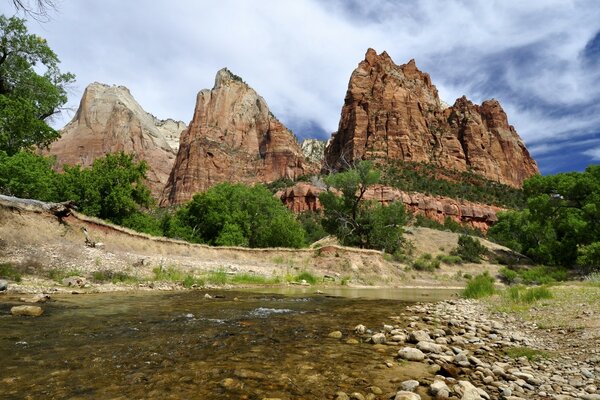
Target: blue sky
<point>540,59</point>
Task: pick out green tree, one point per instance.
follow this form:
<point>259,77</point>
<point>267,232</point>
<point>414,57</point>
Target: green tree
<point>357,222</point>
<point>238,215</point>
<point>562,217</point>
<point>28,176</point>
<point>113,188</point>
<point>32,88</point>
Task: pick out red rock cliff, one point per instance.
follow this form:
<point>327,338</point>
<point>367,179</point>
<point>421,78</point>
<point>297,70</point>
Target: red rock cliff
<point>109,120</point>
<point>233,137</point>
<point>393,112</point>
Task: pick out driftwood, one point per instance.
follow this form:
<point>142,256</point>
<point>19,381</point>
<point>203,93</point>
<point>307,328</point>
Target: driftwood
<point>60,210</point>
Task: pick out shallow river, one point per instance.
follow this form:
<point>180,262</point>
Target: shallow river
<point>179,345</point>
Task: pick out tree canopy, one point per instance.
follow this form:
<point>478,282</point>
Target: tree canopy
<point>237,215</point>
<point>32,87</point>
<point>357,222</point>
<point>561,223</point>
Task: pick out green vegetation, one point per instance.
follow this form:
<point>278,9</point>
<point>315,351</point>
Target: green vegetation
<point>32,88</point>
<point>528,352</point>
<point>8,271</point>
<point>449,259</point>
<point>305,276</point>
<point>426,263</point>
<point>508,275</point>
<point>28,176</point>
<point>542,275</point>
<point>479,286</point>
<point>469,249</point>
<point>59,274</point>
<point>522,294</point>
<point>559,226</point>
<point>448,225</point>
<point>430,179</point>
<point>357,222</point>
<point>114,277</point>
<point>236,215</point>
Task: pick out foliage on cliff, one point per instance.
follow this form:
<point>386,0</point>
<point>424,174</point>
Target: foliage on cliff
<point>432,180</point>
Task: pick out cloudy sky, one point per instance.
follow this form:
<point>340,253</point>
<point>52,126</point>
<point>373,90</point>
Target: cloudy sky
<point>540,58</point>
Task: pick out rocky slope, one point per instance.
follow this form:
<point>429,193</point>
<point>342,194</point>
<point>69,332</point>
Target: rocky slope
<point>393,112</point>
<point>305,197</point>
<point>109,120</point>
<point>313,150</point>
<point>233,137</point>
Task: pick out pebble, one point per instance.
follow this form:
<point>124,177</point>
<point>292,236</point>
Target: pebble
<point>409,385</point>
<point>404,395</point>
<point>378,338</point>
<point>411,354</point>
<point>335,335</point>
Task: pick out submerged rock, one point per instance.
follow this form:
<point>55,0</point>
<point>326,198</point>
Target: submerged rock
<point>3,285</point>
<point>27,311</point>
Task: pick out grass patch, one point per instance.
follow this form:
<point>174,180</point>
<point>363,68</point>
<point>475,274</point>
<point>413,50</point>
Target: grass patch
<point>8,271</point>
<point>480,286</point>
<point>254,279</point>
<point>426,262</point>
<point>169,274</point>
<point>508,275</point>
<point>306,276</point>
<point>114,277</point>
<point>522,294</point>
<point>531,354</point>
<point>542,275</point>
<point>59,274</point>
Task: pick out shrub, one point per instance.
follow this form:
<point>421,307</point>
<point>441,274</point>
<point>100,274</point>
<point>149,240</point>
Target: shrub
<point>508,275</point>
<point>113,276</point>
<point>238,215</point>
<point>426,263</point>
<point>469,249</point>
<point>449,259</point>
<point>8,271</point>
<point>542,275</point>
<point>305,276</point>
<point>480,286</point>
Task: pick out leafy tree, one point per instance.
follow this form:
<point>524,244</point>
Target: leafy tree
<point>562,217</point>
<point>357,222</point>
<point>238,215</point>
<point>32,88</point>
<point>111,189</point>
<point>28,176</point>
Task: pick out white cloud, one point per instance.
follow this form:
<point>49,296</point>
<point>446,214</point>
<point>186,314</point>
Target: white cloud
<point>593,153</point>
<point>299,54</point>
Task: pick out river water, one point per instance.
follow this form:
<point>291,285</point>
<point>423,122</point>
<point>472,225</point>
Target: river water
<point>181,345</point>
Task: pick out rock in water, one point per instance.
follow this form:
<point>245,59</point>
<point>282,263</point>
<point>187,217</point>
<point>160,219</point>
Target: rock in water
<point>3,285</point>
<point>393,112</point>
<point>109,120</point>
<point>27,311</point>
<point>233,137</point>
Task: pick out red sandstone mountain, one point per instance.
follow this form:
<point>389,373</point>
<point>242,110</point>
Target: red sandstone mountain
<point>109,120</point>
<point>233,137</point>
<point>393,112</point>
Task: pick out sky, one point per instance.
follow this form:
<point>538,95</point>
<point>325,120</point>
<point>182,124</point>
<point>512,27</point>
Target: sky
<point>539,58</point>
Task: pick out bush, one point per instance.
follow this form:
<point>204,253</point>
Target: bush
<point>469,249</point>
<point>236,215</point>
<point>426,263</point>
<point>480,286</point>
<point>542,275</point>
<point>28,176</point>
<point>589,256</point>
<point>305,276</point>
<point>450,259</point>
<point>8,271</point>
<point>508,275</point>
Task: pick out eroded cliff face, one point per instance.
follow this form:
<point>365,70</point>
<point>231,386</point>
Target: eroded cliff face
<point>393,112</point>
<point>233,137</point>
<point>109,120</point>
<point>305,197</point>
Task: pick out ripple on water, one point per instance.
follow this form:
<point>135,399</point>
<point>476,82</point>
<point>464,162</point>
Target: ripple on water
<point>264,312</point>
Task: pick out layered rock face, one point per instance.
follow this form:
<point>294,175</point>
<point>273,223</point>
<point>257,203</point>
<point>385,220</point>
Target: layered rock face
<point>305,197</point>
<point>233,137</point>
<point>313,150</point>
<point>109,120</point>
<point>393,112</point>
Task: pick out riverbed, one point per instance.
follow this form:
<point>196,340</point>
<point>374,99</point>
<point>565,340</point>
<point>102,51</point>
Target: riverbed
<point>180,345</point>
